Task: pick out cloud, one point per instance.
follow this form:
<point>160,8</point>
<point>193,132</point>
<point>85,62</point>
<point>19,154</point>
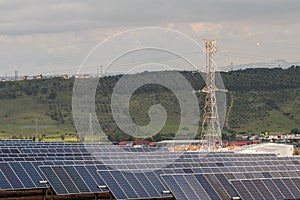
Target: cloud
<point>37,33</point>
<point>201,28</point>
<point>50,16</point>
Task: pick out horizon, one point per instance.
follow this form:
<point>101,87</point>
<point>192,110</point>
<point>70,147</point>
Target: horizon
<point>94,75</point>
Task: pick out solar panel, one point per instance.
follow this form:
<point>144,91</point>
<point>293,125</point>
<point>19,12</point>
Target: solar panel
<point>72,179</point>
<point>224,181</point>
<point>22,175</point>
<point>34,174</point>
<point>218,187</point>
<point>11,177</point>
<point>292,187</point>
<point>91,181</point>
<point>284,190</point>
<point>54,181</point>
<point>4,183</point>
<point>189,186</point>
<point>208,188</point>
<point>274,188</point>
<point>66,180</point>
<point>133,185</point>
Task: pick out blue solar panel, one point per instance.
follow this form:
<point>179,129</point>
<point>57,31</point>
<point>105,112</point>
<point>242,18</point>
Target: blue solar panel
<point>151,189</point>
<point>65,179</point>
<point>284,190</point>
<point>54,181</point>
<point>4,183</point>
<point>274,188</point>
<point>229,189</point>
<point>133,185</point>
<point>34,174</point>
<point>255,193</point>
<point>185,186</point>
<point>22,175</point>
<point>11,176</point>
<point>74,179</point>
<point>89,179</point>
<point>113,185</point>
<point>137,185</point>
<point>93,171</point>
<point>292,187</point>
<point>191,191</point>
<point>175,187</point>
<point>208,188</point>
<point>77,179</point>
<point>154,177</point>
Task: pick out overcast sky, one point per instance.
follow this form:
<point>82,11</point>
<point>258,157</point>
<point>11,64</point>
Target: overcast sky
<point>54,36</point>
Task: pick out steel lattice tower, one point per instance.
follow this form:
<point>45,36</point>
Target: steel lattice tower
<point>211,132</point>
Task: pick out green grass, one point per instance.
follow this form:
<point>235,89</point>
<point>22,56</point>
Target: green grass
<point>20,116</point>
<point>272,106</point>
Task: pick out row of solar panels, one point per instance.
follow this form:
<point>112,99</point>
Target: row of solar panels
<point>150,184</point>
<point>140,184</point>
<point>77,148</point>
<point>197,162</point>
<point>166,163</point>
<point>82,147</point>
<point>127,152</point>
<point>120,157</point>
<point>69,174</point>
<point>217,186</point>
<point>14,169</point>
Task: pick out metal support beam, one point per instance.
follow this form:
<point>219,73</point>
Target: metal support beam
<point>44,192</point>
<point>51,193</point>
<point>96,196</point>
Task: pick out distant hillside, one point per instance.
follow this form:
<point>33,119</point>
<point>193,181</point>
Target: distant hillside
<point>264,99</point>
<point>270,65</point>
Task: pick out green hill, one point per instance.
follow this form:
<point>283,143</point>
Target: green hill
<point>264,99</point>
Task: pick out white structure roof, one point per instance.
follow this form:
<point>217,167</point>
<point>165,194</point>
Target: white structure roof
<point>281,150</point>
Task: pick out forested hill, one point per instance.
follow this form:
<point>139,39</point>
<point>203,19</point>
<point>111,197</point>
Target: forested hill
<point>262,79</point>
<point>263,99</point>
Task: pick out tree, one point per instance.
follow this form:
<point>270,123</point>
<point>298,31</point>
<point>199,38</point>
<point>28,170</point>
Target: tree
<point>52,95</point>
<point>62,136</point>
<point>295,131</point>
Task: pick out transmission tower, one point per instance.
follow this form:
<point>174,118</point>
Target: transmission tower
<point>211,137</point>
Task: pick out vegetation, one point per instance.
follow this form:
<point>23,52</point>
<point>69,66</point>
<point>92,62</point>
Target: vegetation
<point>264,99</point>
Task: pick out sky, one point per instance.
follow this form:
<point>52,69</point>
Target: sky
<point>55,36</point>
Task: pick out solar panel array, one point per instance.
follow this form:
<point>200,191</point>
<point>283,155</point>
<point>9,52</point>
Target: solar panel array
<point>144,173</point>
